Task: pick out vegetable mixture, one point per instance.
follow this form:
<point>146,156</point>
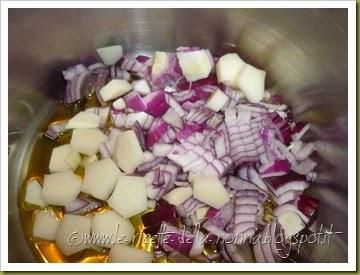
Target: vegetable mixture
<point>193,144</point>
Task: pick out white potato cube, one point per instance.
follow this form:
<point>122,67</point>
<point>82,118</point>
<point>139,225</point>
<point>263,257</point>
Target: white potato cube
<point>58,158</point>
<point>61,188</point>
<point>291,223</point>
<point>74,160</point>
<point>141,86</point>
<point>84,120</point>
<point>100,178</point>
<point>114,89</point>
<point>151,204</point>
<point>87,141</point>
<point>72,234</point>
<point>128,254</point>
<point>195,65</point>
<point>210,191</point>
<point>129,197</point>
<point>128,154</point>
<point>228,68</point>
<point>119,104</point>
<point>111,54</point>
<point>200,213</point>
<point>178,195</point>
<point>33,193</point>
<point>110,224</point>
<point>160,63</point>
<point>251,82</point>
<point>217,100</point>
<point>46,225</point>
<point>87,160</point>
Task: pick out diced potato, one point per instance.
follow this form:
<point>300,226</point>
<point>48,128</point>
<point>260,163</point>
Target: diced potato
<point>178,195</point>
<point>33,193</point>
<point>201,213</point>
<point>58,158</point>
<point>128,154</point>
<point>84,120</point>
<point>160,63</point>
<point>100,178</point>
<point>151,204</point>
<point>87,141</point>
<point>251,82</point>
<point>73,234</point>
<point>46,224</point>
<point>210,190</point>
<point>128,254</point>
<point>87,160</point>
<point>195,65</point>
<point>111,224</point>
<point>141,86</point>
<point>114,89</point>
<point>111,54</point>
<point>129,197</point>
<point>217,100</point>
<point>228,68</point>
<point>61,188</point>
<point>74,160</point>
<point>119,104</point>
<point>291,223</point>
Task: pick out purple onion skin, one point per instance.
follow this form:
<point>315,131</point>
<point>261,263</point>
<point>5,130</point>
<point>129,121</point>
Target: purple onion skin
<point>164,212</point>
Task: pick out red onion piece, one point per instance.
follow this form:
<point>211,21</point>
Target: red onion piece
<point>134,101</point>
<point>156,131</point>
<point>290,181</point>
<point>143,59</point>
<point>299,130</point>
<point>307,205</point>
<point>101,80</point>
<point>175,105</point>
<point>156,103</point>
<point>304,167</point>
<point>82,206</point>
<point>189,207</point>
<point>275,168</point>
<point>175,239</point>
<point>282,127</point>
<point>55,130</point>
<point>170,75</point>
<point>164,212</point>
<point>139,134</point>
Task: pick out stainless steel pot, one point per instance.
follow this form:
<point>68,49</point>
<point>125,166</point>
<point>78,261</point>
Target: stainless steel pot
<point>304,52</point>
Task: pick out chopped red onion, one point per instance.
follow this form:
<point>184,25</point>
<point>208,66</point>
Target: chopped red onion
<point>156,103</point>
<point>101,80</point>
<point>304,167</point>
<point>55,130</point>
<point>156,131</point>
<point>82,206</point>
<point>299,130</point>
<point>307,205</point>
<point>134,101</point>
<point>164,212</point>
<point>290,181</point>
<point>275,168</point>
